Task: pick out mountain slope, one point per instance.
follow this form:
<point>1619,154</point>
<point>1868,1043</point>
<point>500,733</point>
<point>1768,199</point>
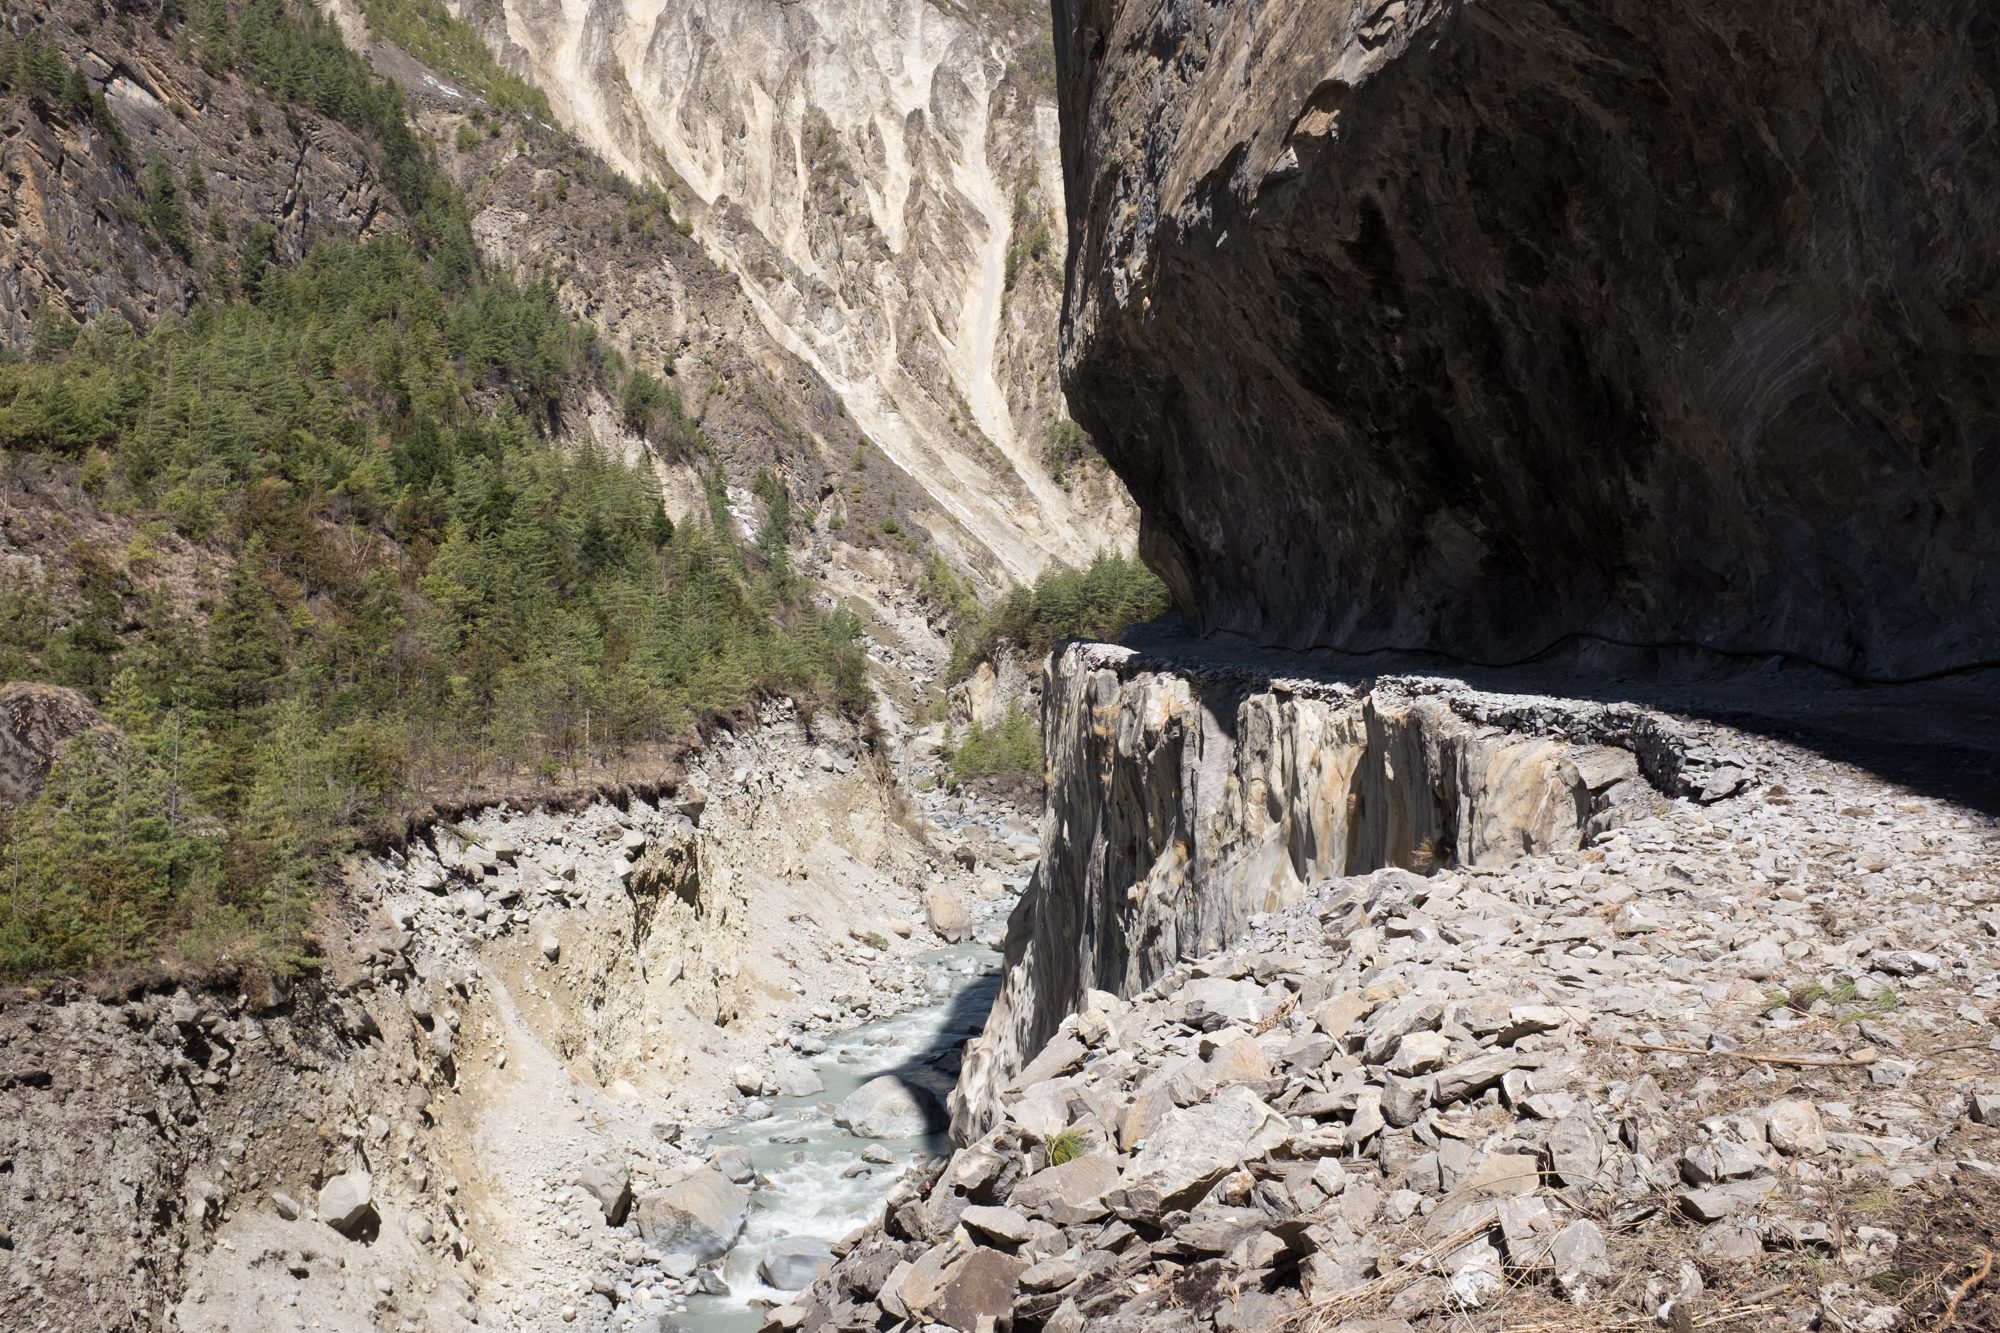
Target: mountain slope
<point>883,180</point>
<point>342,540</point>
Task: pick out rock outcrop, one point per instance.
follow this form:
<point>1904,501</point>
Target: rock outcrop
<point>1185,800</point>
<point>1477,327</point>
<point>36,722</point>
<point>73,194</point>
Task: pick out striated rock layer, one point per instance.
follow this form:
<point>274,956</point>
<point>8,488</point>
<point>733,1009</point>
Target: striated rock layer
<point>1475,327</point>
<point>1185,799</point>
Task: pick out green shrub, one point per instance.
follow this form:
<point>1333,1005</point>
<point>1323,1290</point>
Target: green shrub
<point>1065,1146</point>
<point>1013,745</point>
<point>1097,602</point>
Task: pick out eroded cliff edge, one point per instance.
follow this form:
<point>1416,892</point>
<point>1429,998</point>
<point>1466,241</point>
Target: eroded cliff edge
<point>1471,327</point>
<point>1349,1000</point>
<point>1187,796</point>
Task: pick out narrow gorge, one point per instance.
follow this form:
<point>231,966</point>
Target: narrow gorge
<point>581,745</point>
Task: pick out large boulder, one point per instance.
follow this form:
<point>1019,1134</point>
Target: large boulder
<point>1193,1148</point>
<point>889,1108</point>
<point>792,1264</point>
<point>699,1214</point>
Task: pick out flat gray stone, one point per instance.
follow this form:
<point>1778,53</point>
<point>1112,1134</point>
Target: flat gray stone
<point>1195,1146</point>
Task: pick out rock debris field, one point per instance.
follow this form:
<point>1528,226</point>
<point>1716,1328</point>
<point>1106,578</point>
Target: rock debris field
<point>1731,1065</point>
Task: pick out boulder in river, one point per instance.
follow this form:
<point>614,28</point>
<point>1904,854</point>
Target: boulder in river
<point>793,1263</point>
<point>947,913</point>
<point>735,1163</point>
<point>889,1108</point>
<point>700,1213</point>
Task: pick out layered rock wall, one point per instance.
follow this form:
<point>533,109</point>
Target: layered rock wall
<point>1476,327</point>
<point>1186,799</point>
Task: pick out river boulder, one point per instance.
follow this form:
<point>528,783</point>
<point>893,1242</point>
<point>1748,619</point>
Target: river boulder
<point>889,1108</point>
<point>793,1077</point>
<point>700,1214</point>
<point>793,1263</point>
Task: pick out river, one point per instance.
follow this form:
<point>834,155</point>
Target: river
<point>812,1182</point>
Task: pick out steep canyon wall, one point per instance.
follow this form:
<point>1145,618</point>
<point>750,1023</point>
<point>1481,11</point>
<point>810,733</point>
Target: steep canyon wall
<point>1474,327</point>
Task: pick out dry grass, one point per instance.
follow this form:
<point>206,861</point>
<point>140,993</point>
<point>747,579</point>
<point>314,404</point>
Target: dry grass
<point>1943,1273</point>
<point>1368,1298</point>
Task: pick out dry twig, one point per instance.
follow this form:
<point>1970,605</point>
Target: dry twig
<point>1973,1279</point>
<point>1854,1061</point>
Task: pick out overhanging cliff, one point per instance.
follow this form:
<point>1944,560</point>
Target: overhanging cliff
<point>1477,327</point>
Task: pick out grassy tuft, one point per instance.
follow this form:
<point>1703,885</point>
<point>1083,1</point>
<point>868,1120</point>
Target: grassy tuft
<point>1065,1146</point>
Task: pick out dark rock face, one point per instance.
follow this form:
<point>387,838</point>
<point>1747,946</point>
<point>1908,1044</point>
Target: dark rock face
<point>73,200</point>
<point>1474,327</point>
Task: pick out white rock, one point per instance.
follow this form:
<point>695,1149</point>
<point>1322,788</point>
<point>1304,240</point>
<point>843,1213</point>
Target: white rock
<point>346,1201</point>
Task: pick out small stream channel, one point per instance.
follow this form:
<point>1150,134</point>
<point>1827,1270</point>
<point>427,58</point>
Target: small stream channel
<point>812,1182</point>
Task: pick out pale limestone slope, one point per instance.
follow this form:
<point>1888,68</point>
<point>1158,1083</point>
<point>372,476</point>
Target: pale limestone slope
<point>864,170</point>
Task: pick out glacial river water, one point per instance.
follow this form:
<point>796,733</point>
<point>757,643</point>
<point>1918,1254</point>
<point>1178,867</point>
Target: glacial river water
<point>812,1182</point>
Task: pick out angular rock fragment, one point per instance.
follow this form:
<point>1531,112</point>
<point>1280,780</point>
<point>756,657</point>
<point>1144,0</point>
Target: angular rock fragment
<point>1194,1147</point>
<point>1069,1194</point>
<point>611,1186</point>
<point>978,1288</point>
<point>1795,1128</point>
<point>346,1202</point>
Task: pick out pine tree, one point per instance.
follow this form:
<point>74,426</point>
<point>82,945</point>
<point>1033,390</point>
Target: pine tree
<point>166,211</point>
<point>246,641</point>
